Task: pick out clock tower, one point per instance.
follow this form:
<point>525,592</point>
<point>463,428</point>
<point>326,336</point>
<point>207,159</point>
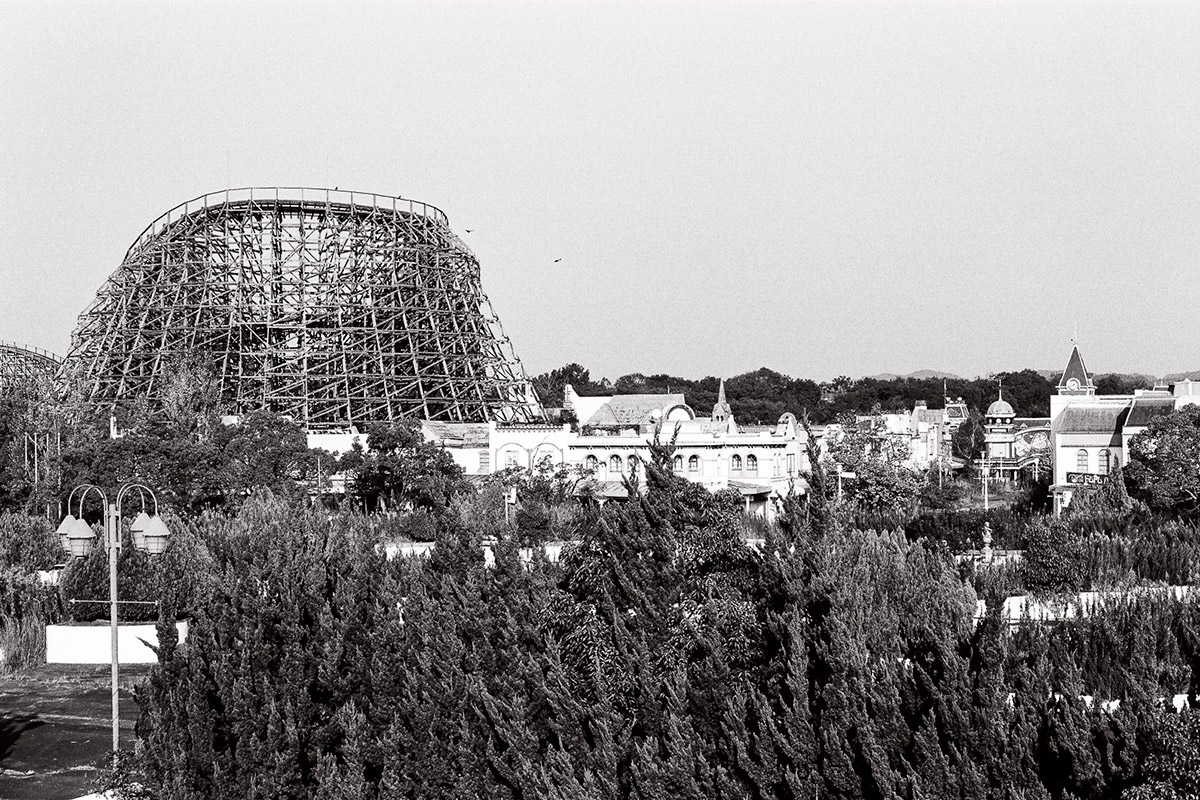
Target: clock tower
<point>1075,380</point>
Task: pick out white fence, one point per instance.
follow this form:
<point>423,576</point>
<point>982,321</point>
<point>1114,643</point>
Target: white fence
<point>1018,608</point>
<point>92,644</point>
<point>553,551</point>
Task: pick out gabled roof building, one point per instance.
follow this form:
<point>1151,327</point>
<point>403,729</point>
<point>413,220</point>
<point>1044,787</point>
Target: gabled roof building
<point>1091,432</point>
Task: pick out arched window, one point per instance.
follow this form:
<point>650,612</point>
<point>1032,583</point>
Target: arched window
<point>693,463</point>
<point>1105,462</point>
<point>677,464</point>
<point>615,465</point>
<point>590,463</point>
<point>1081,461</point>
<point>736,464</point>
<point>752,466</point>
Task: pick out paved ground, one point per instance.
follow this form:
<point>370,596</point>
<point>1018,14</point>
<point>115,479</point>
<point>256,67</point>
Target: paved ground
<point>56,729</point>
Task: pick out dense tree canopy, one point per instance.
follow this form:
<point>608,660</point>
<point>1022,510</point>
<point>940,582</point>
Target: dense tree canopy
<point>403,470</point>
<point>877,479</point>
<point>1164,462</point>
<point>661,658</point>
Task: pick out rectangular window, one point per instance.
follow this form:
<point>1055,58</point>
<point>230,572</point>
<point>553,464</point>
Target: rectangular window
<point>485,462</point>
<point>510,459</point>
<point>791,463</point>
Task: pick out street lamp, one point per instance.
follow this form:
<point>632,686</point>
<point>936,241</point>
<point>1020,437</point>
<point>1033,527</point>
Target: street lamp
<point>75,534</point>
<point>64,529</point>
<point>137,528</point>
<point>78,535</point>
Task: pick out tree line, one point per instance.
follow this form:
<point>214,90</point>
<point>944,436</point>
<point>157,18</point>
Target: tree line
<point>763,395</point>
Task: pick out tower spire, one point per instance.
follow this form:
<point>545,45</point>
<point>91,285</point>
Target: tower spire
<point>721,411</point>
<point>1075,378</point>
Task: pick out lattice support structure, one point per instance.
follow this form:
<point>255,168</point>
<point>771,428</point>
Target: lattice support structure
<point>25,366</point>
<point>335,308</point>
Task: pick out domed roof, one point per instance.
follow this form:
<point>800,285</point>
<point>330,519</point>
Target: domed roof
<point>1000,408</point>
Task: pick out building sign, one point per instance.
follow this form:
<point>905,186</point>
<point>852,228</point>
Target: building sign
<point>1085,479</point>
<point>1032,442</point>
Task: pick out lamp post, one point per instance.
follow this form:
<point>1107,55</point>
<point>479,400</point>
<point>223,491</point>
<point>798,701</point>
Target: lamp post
<point>78,536</point>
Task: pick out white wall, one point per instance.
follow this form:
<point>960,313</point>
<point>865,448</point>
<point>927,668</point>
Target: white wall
<point>92,644</point>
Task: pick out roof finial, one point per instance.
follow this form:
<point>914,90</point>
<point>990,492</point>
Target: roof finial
<point>1075,336</point>
<point>1000,386</point>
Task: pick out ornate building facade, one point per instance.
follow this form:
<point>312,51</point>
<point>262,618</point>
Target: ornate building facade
<point>1091,432</point>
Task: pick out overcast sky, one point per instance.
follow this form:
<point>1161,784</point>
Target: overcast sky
<point>822,189</point>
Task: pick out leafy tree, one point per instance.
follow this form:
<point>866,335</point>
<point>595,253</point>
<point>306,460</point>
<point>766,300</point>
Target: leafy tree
<point>1172,767</point>
<point>882,482</point>
<point>763,396</point>
<point>968,439</point>
<point>548,507</point>
<point>1027,391</point>
<point>191,395</point>
<point>263,451</point>
<point>549,385</point>
<point>402,469</point>
<point>1116,383</point>
<point>1164,462</point>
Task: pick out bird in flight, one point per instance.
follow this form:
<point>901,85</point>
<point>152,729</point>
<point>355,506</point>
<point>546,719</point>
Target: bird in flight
<point>557,260</point>
<point>468,230</point>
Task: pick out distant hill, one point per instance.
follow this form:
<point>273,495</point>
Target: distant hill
<point>1181,376</point>
<point>921,374</point>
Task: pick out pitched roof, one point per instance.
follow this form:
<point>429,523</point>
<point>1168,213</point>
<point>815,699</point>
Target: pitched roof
<point>612,490</point>
<point>1093,418</point>
<point>458,434</point>
<point>1147,408</point>
<point>749,489</point>
<point>632,409</point>
<point>721,407</point>
<point>1075,369</point>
